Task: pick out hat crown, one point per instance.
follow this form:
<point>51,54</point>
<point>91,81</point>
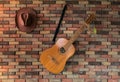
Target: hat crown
<point>26,18</point>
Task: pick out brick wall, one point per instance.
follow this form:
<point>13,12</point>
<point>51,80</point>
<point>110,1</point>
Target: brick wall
<point>97,56</point>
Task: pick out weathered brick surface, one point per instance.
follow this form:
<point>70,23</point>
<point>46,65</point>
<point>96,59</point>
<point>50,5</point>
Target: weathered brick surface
<point>97,56</point>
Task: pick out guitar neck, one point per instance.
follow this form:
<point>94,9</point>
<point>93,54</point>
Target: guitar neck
<point>79,30</point>
<point>73,38</point>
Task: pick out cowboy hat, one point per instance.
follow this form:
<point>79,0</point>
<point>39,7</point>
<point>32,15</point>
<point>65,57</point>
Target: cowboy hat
<point>26,19</point>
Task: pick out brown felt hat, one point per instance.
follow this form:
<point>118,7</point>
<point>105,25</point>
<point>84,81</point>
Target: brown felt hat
<point>26,19</point>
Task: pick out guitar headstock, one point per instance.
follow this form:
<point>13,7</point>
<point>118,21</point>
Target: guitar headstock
<point>90,18</point>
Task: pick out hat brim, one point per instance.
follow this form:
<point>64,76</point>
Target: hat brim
<point>22,27</point>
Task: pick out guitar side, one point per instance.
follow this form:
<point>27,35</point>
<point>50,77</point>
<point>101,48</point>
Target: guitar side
<point>53,60</point>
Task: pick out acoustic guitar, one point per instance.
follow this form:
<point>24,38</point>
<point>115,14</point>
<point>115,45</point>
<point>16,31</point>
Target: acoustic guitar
<point>55,58</point>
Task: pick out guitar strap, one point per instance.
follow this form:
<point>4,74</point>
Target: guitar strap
<point>61,18</point>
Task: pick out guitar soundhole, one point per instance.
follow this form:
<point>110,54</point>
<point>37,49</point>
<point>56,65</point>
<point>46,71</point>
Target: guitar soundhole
<point>62,50</point>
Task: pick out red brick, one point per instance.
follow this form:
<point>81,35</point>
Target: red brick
<point>116,49</point>
<point>67,80</point>
<point>14,35</point>
<point>1,5</point>
<point>20,59</point>
<point>35,56</point>
<point>3,70</point>
<point>33,66</point>
<point>106,56</point>
<point>9,46</point>
<point>84,76</point>
<point>2,29</point>
<point>8,67</point>
<point>9,5</point>
<point>60,76</point>
<point>3,49</point>
<point>25,49</point>
<point>14,2</point>
<point>20,73</point>
<point>94,49</point>
<point>32,46</point>
<point>115,77</point>
<point>101,67</point>
<point>1,39</point>
<point>43,80</point>
<point>26,69</point>
<point>19,80</point>
<point>37,76</point>
<point>13,76</point>
<point>101,46</point>
<point>13,56</point>
<point>90,59</point>
<point>14,8</point>
<point>40,15</point>
<point>116,8</point>
<point>55,5</point>
<point>112,80</point>
<point>113,59</point>
<point>4,8</point>
<point>90,80</point>
<point>45,18</point>
<point>106,77</point>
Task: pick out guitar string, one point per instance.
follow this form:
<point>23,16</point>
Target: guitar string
<point>47,64</point>
<point>56,66</point>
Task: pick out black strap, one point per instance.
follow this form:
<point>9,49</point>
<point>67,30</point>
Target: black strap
<point>61,18</point>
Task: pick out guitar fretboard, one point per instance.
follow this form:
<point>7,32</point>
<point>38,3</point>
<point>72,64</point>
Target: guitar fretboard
<point>79,30</point>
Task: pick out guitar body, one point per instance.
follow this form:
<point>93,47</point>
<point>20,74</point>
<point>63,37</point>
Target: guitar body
<point>53,60</point>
